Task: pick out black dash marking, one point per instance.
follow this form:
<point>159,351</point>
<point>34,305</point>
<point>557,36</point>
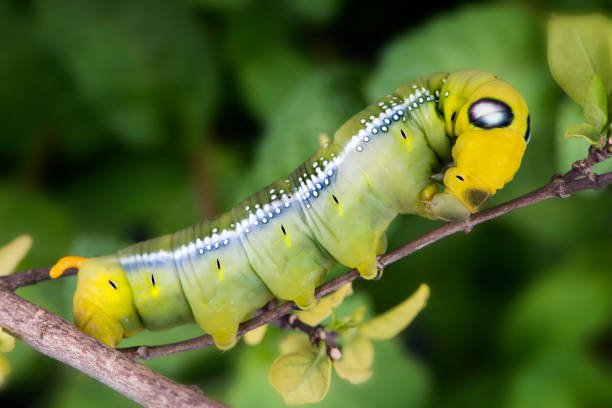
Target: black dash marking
<point>460,178</point>
<point>283,230</point>
<point>218,264</point>
<point>113,284</point>
<point>153,279</point>
<point>403,134</point>
<point>335,199</point>
<point>453,116</point>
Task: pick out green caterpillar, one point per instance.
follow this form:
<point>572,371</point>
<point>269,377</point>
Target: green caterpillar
<point>439,147</point>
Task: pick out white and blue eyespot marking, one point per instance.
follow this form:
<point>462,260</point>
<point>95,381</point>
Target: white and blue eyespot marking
<point>489,113</point>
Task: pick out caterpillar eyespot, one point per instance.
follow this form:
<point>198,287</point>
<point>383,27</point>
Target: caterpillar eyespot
<point>365,187</point>
<point>488,113</point>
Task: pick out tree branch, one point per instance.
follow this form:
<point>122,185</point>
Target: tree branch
<point>55,337</point>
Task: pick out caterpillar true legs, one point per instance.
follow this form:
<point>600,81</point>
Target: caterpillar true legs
<point>469,127</point>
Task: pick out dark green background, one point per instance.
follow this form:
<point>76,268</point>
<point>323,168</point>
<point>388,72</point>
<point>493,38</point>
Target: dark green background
<point>122,120</point>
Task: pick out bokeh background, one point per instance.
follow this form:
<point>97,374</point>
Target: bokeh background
<point>123,120</point>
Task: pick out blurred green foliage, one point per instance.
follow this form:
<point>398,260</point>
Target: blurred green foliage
<point>125,120</point>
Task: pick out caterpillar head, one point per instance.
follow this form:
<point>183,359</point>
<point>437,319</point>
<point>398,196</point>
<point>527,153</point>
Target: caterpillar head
<point>490,121</point>
<point>103,306</point>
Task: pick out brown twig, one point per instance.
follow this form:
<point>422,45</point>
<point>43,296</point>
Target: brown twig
<point>316,334</point>
<point>30,277</point>
<point>57,338</point>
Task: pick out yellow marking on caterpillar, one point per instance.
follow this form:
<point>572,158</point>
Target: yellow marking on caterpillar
<point>286,236</point>
<point>407,138</point>
<point>287,240</point>
<point>65,263</point>
<point>154,293</point>
<point>337,203</point>
<point>219,267</point>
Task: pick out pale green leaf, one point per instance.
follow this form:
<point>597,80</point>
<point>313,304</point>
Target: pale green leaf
<point>302,377</point>
<point>7,342</point>
<point>350,322</point>
<point>569,150</point>
<point>395,320</point>
<point>466,37</point>
<point>596,104</point>
<point>5,368</point>
<point>319,103</point>
<point>254,337</point>
<point>583,130</point>
<point>324,306</point>
<point>13,252</point>
<point>578,49</point>
<point>295,342</point>
<point>357,359</point>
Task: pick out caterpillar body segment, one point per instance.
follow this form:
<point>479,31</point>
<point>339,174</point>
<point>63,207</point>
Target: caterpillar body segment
<point>438,147</point>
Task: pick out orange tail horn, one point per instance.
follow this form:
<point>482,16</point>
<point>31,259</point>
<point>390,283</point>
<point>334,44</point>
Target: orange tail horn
<point>65,263</point>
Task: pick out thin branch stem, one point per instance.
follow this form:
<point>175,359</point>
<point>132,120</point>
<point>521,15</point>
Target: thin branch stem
<point>316,334</point>
<point>55,337</point>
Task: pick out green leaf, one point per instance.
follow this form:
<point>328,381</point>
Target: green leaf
<point>583,130</point>
<point>324,306</point>
<point>295,342</point>
<point>7,342</point>
<point>568,151</point>
<point>149,75</point>
<point>469,37</point>
<point>399,379</point>
<point>578,48</point>
<point>395,320</point>
<point>596,104</point>
<point>301,377</point>
<point>357,359</point>
<point>319,103</point>
<point>13,252</point>
<point>268,77</point>
<point>566,306</point>
<point>254,337</point>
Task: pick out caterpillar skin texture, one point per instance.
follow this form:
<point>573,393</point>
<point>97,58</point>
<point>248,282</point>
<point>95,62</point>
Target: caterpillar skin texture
<point>469,126</point>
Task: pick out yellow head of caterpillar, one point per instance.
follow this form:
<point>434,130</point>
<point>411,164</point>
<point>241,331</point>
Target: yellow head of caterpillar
<point>103,306</point>
<point>490,120</point>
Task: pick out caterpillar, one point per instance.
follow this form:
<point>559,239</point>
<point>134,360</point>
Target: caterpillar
<point>438,147</point>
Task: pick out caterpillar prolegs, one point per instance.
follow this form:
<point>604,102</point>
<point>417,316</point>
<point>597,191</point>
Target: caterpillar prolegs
<point>438,147</point>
